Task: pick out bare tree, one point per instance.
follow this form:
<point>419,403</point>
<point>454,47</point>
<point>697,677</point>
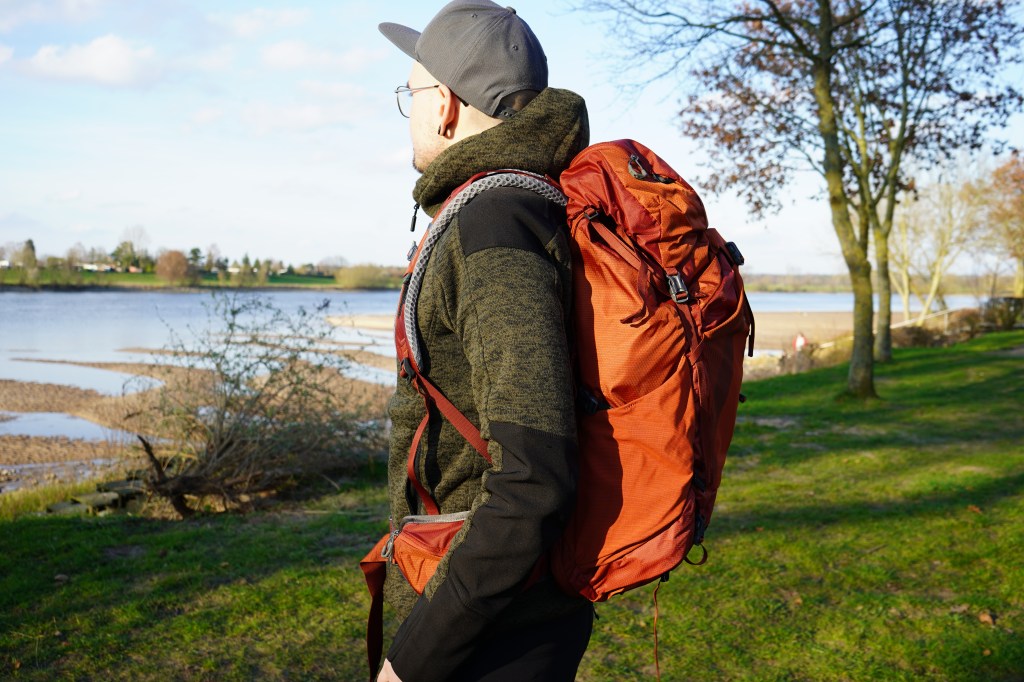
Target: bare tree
<point>138,238</point>
<point>252,401</point>
<point>76,256</point>
<point>934,227</point>
<point>848,89</point>
<point>212,257</point>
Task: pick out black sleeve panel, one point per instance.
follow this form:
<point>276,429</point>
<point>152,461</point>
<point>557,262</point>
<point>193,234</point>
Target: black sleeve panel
<point>509,216</point>
<point>530,500</point>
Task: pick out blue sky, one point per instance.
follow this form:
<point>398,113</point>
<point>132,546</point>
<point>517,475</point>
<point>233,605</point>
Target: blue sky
<point>270,128</point>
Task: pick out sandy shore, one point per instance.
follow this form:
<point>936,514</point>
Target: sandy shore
<point>775,331</point>
<point>26,461</point>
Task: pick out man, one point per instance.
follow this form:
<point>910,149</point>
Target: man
<point>491,321</point>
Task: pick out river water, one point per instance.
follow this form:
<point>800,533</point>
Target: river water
<point>124,326</point>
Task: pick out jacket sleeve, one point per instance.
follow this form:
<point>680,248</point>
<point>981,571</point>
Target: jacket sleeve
<point>509,312</point>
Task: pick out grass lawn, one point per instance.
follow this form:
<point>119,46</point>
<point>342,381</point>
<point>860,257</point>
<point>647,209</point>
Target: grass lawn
<point>852,541</point>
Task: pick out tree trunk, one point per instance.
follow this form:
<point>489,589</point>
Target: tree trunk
<point>1018,280</point>
<point>883,335</point>
<point>861,379</point>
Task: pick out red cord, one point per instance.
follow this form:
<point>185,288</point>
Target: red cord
<point>657,664</point>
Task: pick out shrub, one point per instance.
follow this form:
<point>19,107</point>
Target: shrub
<point>1004,313</point>
<point>173,267</point>
<point>369,277</point>
<point>251,403</point>
<point>916,336</point>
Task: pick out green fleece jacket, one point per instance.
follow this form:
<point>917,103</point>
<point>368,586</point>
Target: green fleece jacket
<point>493,319</point>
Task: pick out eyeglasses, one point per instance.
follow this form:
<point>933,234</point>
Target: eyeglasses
<point>403,95</point>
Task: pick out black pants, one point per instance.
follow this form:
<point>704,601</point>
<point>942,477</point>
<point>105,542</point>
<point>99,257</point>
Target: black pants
<point>549,652</point>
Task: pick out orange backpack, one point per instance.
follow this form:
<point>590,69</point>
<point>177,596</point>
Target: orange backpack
<point>660,325</point>
<point>661,320</point>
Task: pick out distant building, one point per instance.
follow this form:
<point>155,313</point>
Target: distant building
<point>4,264</point>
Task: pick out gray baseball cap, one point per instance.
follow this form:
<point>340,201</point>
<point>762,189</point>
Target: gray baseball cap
<point>481,50</point>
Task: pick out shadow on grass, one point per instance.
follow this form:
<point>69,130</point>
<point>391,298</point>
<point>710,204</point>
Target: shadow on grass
<point>931,397</point>
<point>270,596</point>
<point>807,517</point>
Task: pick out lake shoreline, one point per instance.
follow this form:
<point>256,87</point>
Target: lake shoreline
<point>774,334</point>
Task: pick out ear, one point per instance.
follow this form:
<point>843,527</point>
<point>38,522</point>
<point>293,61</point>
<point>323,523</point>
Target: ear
<point>451,108</point>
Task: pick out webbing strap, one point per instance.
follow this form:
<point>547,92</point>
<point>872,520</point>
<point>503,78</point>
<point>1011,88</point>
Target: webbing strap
<point>433,395</point>
<point>657,663</point>
<point>375,571</point>
<point>425,497</point>
<point>616,244</point>
<point>468,430</point>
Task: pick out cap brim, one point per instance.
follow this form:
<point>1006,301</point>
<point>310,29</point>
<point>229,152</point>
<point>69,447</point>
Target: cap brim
<point>403,37</point>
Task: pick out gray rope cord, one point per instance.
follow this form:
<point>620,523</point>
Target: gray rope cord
<point>532,182</point>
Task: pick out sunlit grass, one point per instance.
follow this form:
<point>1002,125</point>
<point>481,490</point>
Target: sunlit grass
<point>35,500</point>
<point>878,540</point>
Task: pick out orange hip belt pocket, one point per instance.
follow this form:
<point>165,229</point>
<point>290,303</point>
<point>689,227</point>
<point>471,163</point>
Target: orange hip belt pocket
<point>419,543</point>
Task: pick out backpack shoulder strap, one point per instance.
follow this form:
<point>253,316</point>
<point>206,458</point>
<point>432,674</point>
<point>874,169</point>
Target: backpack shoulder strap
<point>407,334</point>
<point>459,198</point>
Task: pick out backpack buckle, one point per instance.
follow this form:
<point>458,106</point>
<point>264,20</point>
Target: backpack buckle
<point>734,253</point>
<point>676,285</point>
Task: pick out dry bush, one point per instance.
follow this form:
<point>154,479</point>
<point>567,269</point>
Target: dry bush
<point>256,402</point>
<point>173,267</point>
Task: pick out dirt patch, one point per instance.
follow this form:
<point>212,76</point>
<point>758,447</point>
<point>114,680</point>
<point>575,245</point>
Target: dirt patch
<point>21,450</point>
<point>124,552</point>
<point>770,422</point>
<point>365,357</point>
<point>22,396</point>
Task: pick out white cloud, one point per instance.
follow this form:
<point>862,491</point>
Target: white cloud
<point>14,13</point>
<point>265,118</point>
<point>108,61</point>
<point>5,53</point>
<point>345,91</point>
<point>215,61</point>
<point>293,54</point>
<point>68,196</point>
<point>260,21</point>
<point>207,115</point>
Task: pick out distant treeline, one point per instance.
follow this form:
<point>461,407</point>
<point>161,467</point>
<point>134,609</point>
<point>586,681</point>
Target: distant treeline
<point>977,285</point>
<point>368,276</point>
<point>63,278</point>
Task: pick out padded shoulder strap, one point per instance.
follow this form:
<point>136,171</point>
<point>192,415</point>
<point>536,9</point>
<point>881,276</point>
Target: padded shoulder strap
<point>461,197</point>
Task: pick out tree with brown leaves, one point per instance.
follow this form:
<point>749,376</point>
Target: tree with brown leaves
<point>172,267</point>
<point>1005,194</point>
<point>848,89</point>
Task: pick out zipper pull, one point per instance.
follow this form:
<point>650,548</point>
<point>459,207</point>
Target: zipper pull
<point>389,546</point>
<point>415,209</point>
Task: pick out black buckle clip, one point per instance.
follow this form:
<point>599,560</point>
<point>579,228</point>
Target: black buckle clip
<point>407,372</point>
<point>734,253</point>
<point>676,285</point>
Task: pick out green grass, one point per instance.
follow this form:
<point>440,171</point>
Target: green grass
<point>879,540</point>
<point>18,503</point>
